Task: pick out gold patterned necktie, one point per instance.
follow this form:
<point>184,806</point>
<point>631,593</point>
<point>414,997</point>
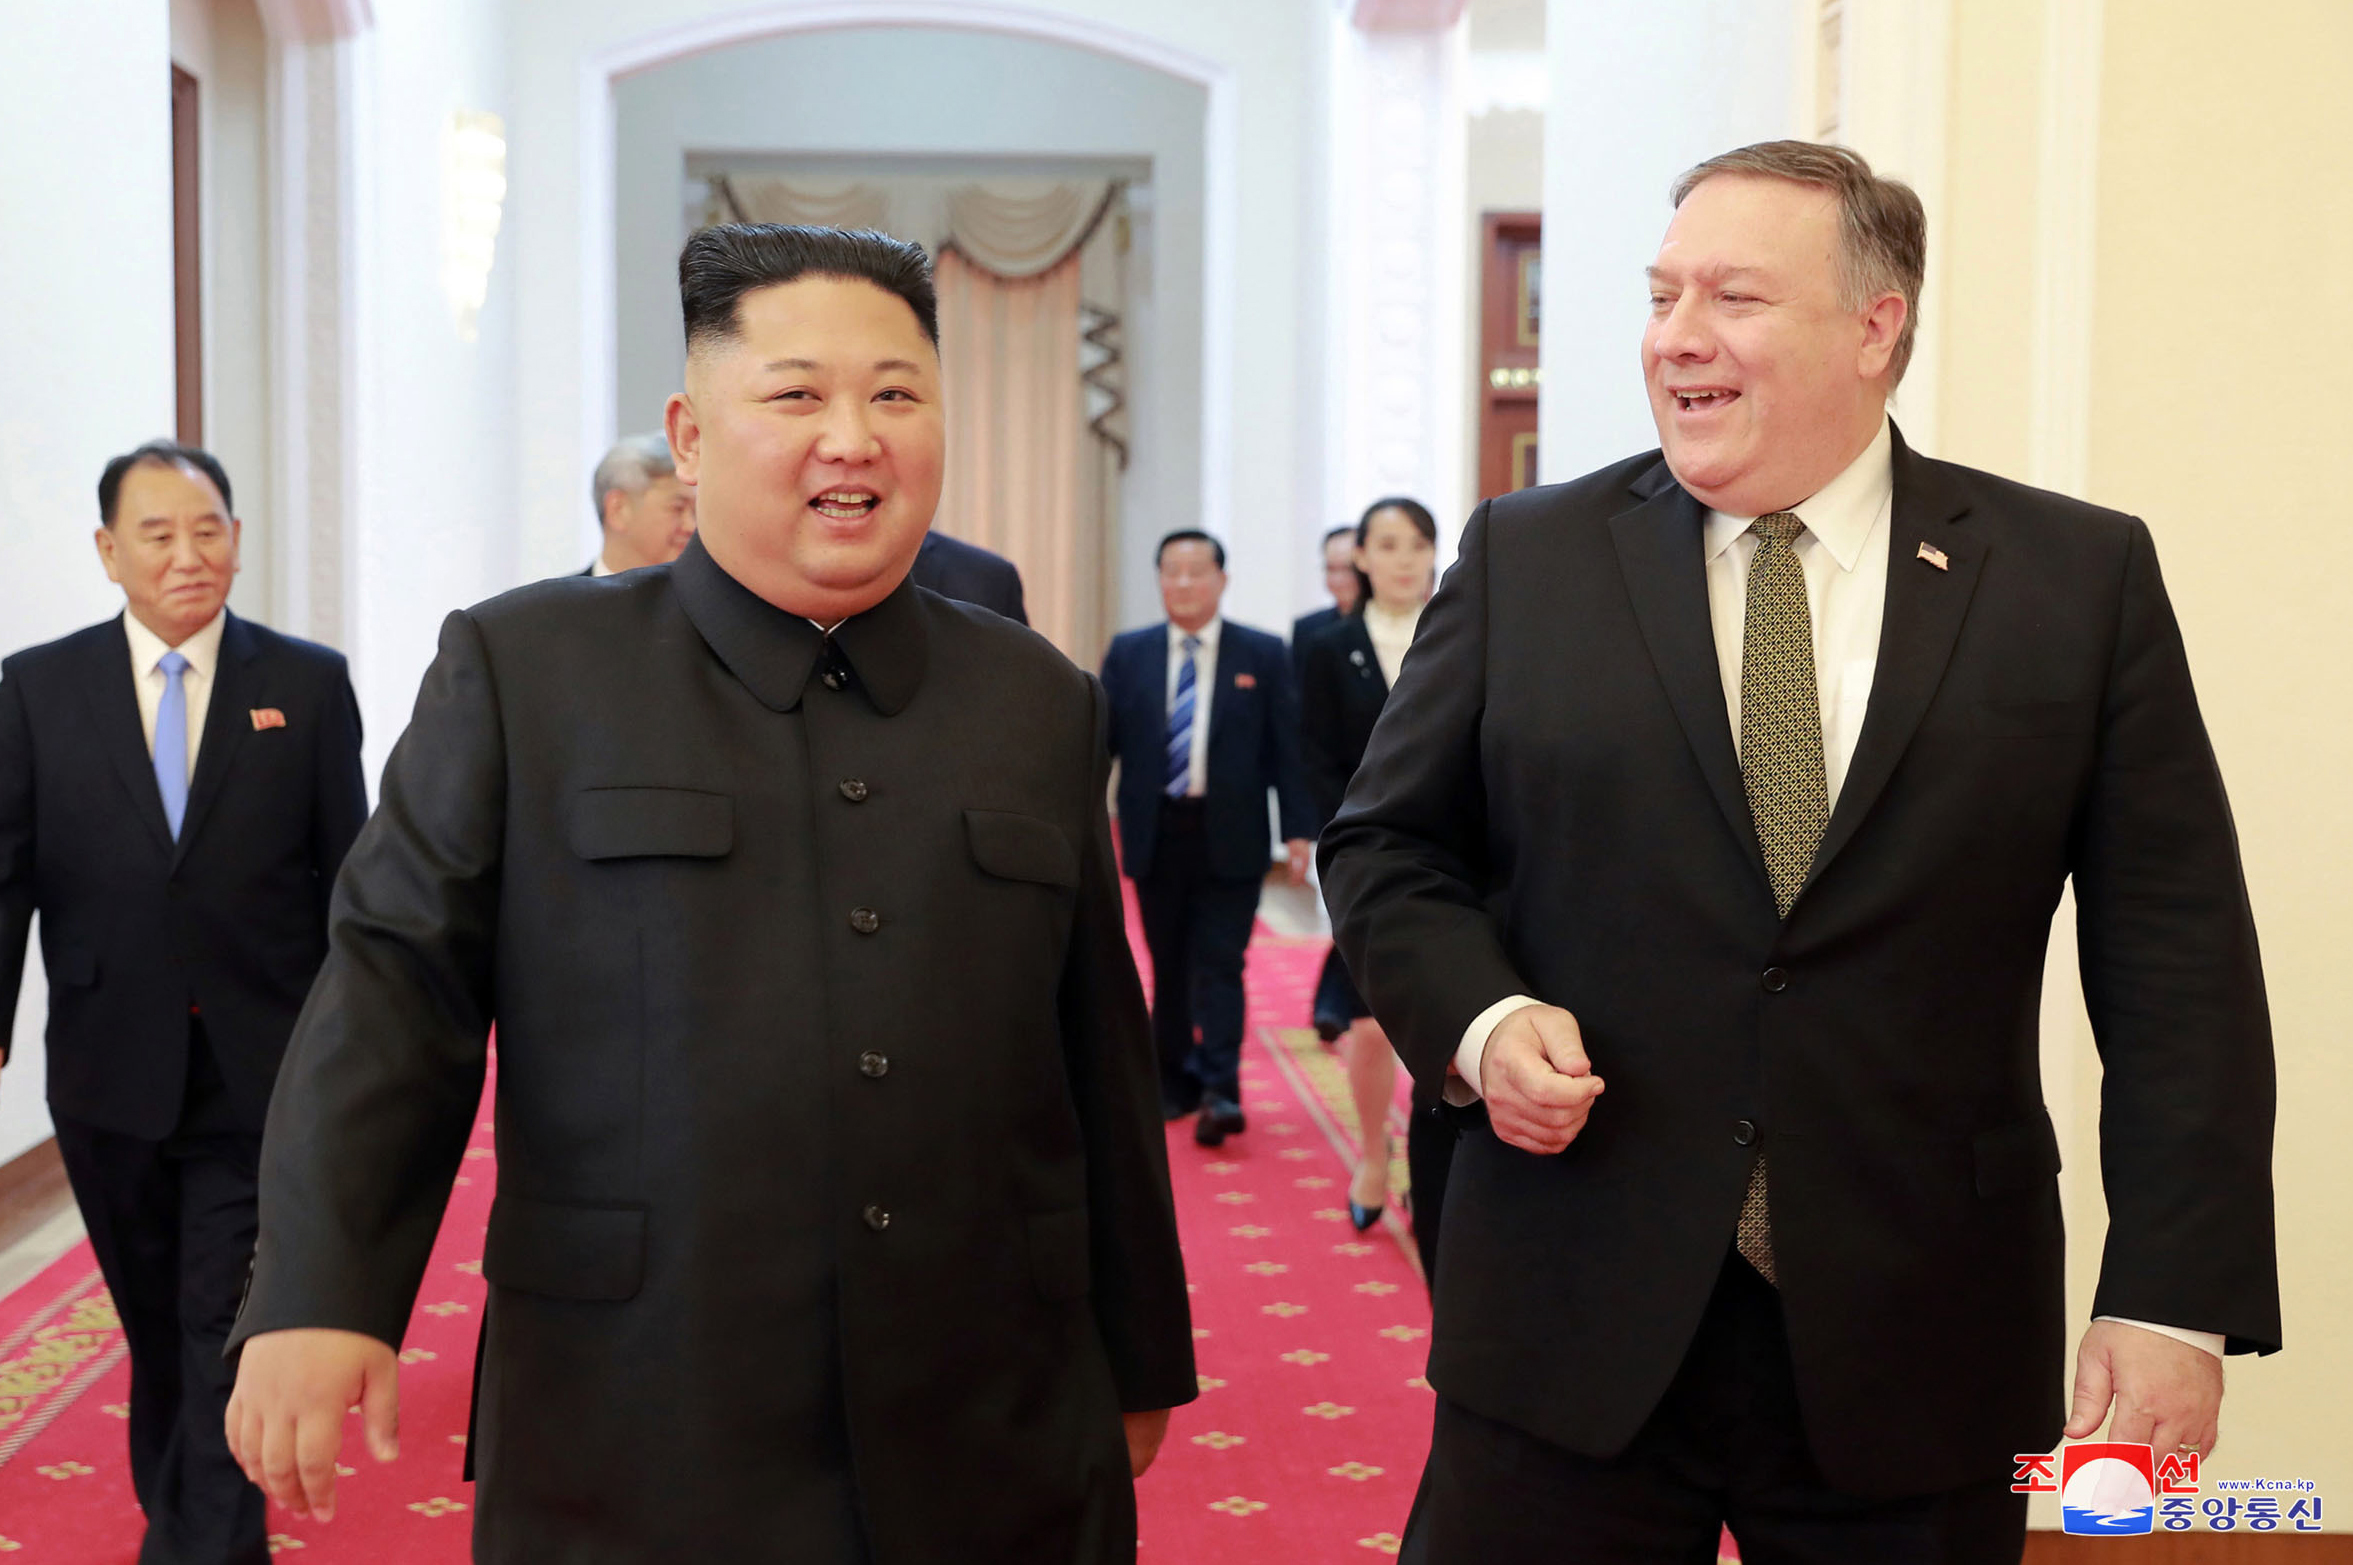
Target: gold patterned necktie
<point>1780,763</point>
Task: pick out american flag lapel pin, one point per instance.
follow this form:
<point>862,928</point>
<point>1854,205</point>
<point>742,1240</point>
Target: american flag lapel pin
<point>1935,556</point>
<point>267,717</point>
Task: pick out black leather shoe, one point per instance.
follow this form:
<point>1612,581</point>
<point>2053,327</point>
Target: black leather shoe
<point>1329,1027</point>
<point>1363,1217</point>
<point>1219,1119</point>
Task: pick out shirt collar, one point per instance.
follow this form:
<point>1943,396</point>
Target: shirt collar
<point>773,652</point>
<point>1207,635</point>
<point>202,650</point>
<point>1841,513</point>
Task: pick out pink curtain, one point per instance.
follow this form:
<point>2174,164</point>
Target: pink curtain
<point>1010,357</point>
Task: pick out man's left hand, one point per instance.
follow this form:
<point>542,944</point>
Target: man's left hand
<point>1301,851</point>
<point>2167,1394</point>
<point>1145,1431</point>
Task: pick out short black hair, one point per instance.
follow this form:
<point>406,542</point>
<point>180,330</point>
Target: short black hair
<point>1190,535</point>
<point>721,264</point>
<point>160,453</point>
<point>1344,530</point>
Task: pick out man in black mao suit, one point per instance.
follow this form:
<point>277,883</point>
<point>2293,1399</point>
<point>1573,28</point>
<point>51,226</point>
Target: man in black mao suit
<point>970,574</point>
<point>833,1217</point>
<point>1712,838</point>
<point>1205,722</point>
<point>178,787</point>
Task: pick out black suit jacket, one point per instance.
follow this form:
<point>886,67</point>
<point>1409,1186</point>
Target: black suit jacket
<point>1551,805</point>
<point>1253,746</point>
<point>1341,693</point>
<point>970,574</point>
<point>136,928</point>
<point>1303,630</point>
<point>824,1078</point>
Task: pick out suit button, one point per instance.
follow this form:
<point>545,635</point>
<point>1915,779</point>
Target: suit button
<point>876,1218</point>
<point>1744,1131</point>
<point>1776,979</point>
<point>854,790</point>
<point>873,1064</point>
<point>833,679</point>
<point>865,920</point>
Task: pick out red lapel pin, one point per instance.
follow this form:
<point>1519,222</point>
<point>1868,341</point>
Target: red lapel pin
<point>267,717</point>
<point>1245,681</point>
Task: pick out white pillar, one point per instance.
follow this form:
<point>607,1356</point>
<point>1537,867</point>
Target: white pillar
<point>1395,414</point>
<point>1640,92</point>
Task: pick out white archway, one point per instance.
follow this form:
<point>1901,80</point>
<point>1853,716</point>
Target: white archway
<point>1220,212</point>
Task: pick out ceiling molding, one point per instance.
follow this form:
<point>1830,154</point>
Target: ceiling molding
<point>1404,16</point>
<point>315,21</point>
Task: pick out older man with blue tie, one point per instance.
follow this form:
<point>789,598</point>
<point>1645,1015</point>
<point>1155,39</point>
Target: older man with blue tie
<point>178,787</point>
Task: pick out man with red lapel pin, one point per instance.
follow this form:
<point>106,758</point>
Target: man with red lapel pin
<point>1709,845</point>
<point>178,787</point>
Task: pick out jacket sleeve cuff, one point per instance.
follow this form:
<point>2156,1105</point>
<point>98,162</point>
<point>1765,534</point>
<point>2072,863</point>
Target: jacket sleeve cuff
<point>2211,1341</point>
<point>1463,1087</point>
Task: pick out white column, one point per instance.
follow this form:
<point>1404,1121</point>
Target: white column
<point>1640,92</point>
<point>1395,416</point>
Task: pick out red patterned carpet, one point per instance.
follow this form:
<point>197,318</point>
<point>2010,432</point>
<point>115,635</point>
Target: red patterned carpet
<point>1305,1445</point>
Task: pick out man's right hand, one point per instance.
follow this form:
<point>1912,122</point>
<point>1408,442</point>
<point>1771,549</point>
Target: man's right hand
<point>285,1420</point>
<point>1537,1082</point>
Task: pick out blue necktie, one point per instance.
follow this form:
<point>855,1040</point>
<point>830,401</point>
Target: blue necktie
<point>171,742</point>
<point>1180,725</point>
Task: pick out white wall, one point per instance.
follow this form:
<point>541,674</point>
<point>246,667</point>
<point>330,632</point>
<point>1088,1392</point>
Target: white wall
<point>1640,92</point>
<point>436,525</point>
<point>1270,484</point>
<point>89,367</point>
<point>1074,103</point>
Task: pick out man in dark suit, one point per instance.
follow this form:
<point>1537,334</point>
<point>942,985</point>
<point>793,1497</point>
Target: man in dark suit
<point>178,787</point>
<point>970,574</point>
<point>645,510</point>
<point>833,1218</point>
<point>1339,556</point>
<point>1328,1010</point>
<point>1204,721</point>
<point>1744,777</point>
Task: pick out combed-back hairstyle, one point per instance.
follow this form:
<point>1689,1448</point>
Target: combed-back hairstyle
<point>1882,230</point>
<point>160,453</point>
<point>634,462</point>
<point>720,265</point>
<point>1190,535</point>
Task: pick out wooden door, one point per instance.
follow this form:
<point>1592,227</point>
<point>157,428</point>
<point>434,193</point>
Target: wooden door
<point>187,275</point>
<point>1510,325</point>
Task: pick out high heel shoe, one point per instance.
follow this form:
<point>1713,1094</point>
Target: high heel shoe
<point>1363,1217</point>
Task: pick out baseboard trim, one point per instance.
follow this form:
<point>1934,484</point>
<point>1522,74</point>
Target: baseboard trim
<point>33,1190</point>
<point>2202,1548</point>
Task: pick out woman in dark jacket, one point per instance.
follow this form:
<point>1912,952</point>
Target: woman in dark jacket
<point>1347,669</point>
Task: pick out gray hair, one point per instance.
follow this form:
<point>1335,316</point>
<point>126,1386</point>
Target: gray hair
<point>634,462</point>
<point>1882,230</point>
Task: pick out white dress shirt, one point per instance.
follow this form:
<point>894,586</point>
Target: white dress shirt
<point>1204,690</point>
<point>203,652</point>
<point>1843,552</point>
<point>1392,637</point>
<point>600,568</point>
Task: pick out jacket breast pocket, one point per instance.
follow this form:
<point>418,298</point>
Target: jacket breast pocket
<point>2028,719</point>
<point>2017,1159</point>
<point>1058,1254</point>
<point>591,1253</point>
<point>1021,847</point>
<point>635,823</point>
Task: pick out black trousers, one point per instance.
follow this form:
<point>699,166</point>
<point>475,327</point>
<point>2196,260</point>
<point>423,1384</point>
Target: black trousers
<point>1724,1448</point>
<point>1197,926</point>
<point>173,1222</point>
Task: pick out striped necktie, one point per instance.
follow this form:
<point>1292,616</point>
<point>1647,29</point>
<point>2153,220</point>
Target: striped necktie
<point>171,741</point>
<point>1180,724</point>
<point>1780,764</point>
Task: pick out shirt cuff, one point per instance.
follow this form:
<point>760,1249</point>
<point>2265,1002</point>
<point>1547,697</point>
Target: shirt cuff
<point>2211,1341</point>
<point>1464,1088</point>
